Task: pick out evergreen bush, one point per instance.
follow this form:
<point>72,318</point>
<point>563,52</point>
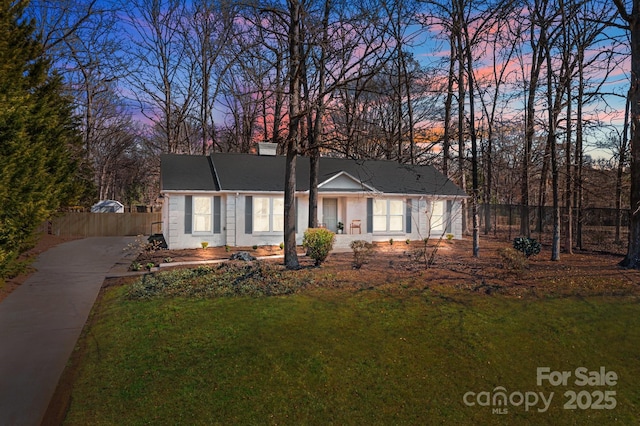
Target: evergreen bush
<point>528,246</point>
<point>40,146</point>
<point>318,242</point>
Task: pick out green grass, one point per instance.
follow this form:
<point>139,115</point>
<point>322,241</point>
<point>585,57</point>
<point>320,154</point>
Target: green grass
<point>335,357</point>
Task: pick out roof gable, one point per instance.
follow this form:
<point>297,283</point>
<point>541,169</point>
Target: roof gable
<point>343,181</point>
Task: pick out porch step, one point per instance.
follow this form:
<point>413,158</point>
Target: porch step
<point>343,241</point>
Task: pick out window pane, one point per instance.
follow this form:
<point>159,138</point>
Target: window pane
<point>260,214</point>
<point>396,207</point>
<point>379,223</point>
<point>278,215</point>
<point>261,206</point>
<point>201,223</point>
<point>395,223</point>
<point>437,210</point>
<point>379,207</point>
<point>202,214</point>
<point>278,223</point>
<point>278,206</point>
<point>261,224</point>
<point>202,205</point>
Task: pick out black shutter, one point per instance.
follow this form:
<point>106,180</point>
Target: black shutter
<point>216,215</point>
<point>369,215</point>
<point>248,214</point>
<point>408,216</point>
<point>296,215</point>
<point>188,211</point>
<point>447,216</point>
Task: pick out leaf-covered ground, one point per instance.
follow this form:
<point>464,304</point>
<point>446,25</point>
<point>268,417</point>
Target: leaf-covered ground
<point>454,268</point>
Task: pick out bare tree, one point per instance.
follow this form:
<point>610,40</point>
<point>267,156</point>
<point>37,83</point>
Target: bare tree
<point>316,131</point>
<point>536,45</point>
<point>293,138</point>
<point>632,18</point>
<point>207,29</point>
<point>162,79</point>
<point>547,39</point>
<point>502,48</point>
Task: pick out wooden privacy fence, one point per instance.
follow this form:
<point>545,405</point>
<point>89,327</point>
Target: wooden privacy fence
<point>105,224</point>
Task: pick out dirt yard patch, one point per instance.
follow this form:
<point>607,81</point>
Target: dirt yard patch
<point>453,269</point>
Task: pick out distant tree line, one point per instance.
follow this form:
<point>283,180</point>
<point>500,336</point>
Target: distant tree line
<point>509,102</point>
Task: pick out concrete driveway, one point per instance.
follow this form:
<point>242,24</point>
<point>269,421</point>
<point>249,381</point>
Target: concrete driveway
<point>41,321</point>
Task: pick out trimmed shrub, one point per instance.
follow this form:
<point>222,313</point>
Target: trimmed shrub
<point>528,246</point>
<point>318,242</point>
<point>362,251</point>
<point>512,259</point>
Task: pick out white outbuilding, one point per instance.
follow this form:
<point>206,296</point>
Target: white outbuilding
<point>107,206</point>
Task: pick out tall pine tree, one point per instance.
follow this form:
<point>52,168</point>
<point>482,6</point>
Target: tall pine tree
<point>38,138</point>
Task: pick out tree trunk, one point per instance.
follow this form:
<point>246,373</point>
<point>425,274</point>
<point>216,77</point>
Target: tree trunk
<point>579,153</point>
<point>534,75</point>
<point>407,83</point>
<point>542,188</point>
<point>316,133</point>
<point>568,196</point>
<point>279,101</point>
<point>474,142</point>
<point>553,111</point>
<point>632,259</point>
<point>622,159</point>
<point>290,253</point>
<point>461,140</point>
<point>446,138</point>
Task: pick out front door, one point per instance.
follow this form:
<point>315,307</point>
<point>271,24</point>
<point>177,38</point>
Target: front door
<point>330,213</point>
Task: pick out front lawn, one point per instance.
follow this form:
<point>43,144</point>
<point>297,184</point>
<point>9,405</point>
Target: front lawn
<point>388,354</point>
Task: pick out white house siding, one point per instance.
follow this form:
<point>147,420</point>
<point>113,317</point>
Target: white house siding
<point>452,220</point>
<point>350,207</point>
<point>165,216</point>
<point>242,239</point>
<point>456,221</point>
<point>419,217</point>
<point>175,235</point>
<point>230,227</point>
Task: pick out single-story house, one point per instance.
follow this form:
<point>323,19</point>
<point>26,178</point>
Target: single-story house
<point>238,200</point>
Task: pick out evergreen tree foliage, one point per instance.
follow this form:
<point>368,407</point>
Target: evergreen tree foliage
<point>39,141</point>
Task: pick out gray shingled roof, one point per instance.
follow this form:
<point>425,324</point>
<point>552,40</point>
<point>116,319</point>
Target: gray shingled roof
<point>187,173</point>
<point>246,172</point>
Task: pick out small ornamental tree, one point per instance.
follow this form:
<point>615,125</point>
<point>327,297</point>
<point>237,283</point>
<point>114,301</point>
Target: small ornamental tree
<point>318,242</point>
<point>528,246</point>
<point>362,251</point>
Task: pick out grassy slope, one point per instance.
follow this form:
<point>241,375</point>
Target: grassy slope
<point>347,358</point>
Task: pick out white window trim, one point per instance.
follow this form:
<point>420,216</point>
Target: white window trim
<point>194,214</point>
<point>271,217</point>
<point>388,217</point>
<point>437,221</point>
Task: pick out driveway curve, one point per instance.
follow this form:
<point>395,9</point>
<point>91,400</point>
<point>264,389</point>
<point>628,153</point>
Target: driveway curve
<point>42,319</point>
